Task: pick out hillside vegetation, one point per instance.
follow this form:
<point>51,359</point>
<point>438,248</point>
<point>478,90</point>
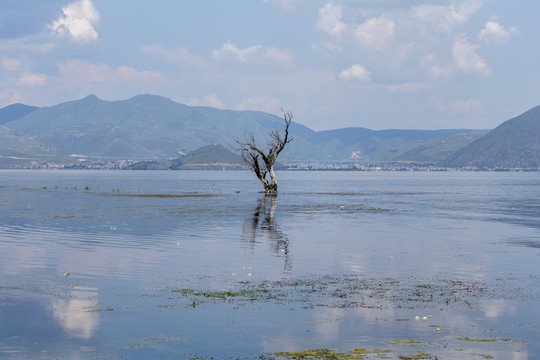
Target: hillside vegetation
<point>211,157</point>
<point>513,144</point>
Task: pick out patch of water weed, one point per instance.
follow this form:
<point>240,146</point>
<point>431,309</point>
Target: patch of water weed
<point>484,356</point>
<point>353,193</point>
<point>336,209</point>
<point>490,340</point>
<point>108,309</point>
<point>159,196</point>
<point>320,354</point>
<point>404,342</point>
<point>198,297</point>
<point>65,217</point>
<point>349,291</point>
<point>358,353</point>
<point>32,189</point>
<point>418,355</point>
<point>340,193</point>
<point>147,342</point>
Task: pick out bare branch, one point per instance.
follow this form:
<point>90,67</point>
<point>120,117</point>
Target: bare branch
<point>252,154</point>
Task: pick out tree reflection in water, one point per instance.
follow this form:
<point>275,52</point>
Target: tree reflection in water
<point>262,223</point>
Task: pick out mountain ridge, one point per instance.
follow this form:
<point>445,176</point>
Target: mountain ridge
<point>14,112</point>
<point>154,127</point>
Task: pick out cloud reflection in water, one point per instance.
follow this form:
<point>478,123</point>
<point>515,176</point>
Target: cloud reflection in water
<point>77,315</point>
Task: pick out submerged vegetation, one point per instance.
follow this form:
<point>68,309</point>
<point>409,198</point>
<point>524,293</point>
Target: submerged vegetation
<point>358,353</point>
<point>348,291</point>
<point>161,195</point>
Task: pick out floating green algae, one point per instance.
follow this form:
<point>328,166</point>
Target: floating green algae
<point>146,343</point>
<point>395,342</point>
<point>160,195</point>
<point>358,353</point>
<point>419,355</point>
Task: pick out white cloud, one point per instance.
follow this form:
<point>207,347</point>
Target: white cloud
<point>74,315</point>
<point>410,87</point>
<point>494,33</point>
<point>31,80</point>
<point>260,103</point>
<point>78,21</point>
<point>11,64</point>
<point>180,55</point>
<point>229,51</point>
<point>471,106</point>
<point>329,20</point>
<point>289,6</point>
<point>278,56</point>
<point>375,32</point>
<point>355,73</point>
<point>211,100</point>
<point>446,17</point>
<point>327,45</point>
<point>254,54</point>
<point>468,106</point>
<point>10,96</point>
<point>466,58</point>
<point>81,71</point>
<point>85,78</point>
<point>434,69</point>
<point>130,73</point>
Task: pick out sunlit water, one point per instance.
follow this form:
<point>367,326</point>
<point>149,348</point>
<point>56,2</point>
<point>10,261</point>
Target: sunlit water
<point>461,249</point>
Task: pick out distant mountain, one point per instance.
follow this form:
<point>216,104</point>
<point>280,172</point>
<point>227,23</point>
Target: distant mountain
<point>211,157</point>
<point>513,144</point>
<point>145,126</point>
<point>154,127</point>
<point>14,112</point>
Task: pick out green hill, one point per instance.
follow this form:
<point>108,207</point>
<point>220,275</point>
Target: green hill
<point>211,157</point>
<point>513,144</point>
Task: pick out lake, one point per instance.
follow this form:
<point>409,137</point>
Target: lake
<point>199,265</point>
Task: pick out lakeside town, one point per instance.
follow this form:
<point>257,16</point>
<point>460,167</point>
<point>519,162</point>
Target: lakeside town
<point>298,165</point>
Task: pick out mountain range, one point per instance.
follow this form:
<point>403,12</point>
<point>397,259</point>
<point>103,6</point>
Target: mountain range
<point>150,127</point>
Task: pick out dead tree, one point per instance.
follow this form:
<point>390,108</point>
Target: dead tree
<point>261,162</point>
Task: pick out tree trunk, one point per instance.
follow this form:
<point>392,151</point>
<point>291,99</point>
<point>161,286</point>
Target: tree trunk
<point>271,188</point>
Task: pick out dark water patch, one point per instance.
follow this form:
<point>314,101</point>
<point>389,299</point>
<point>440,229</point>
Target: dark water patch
<point>531,243</point>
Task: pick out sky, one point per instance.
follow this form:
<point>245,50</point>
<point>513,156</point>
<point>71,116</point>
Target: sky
<point>378,64</point>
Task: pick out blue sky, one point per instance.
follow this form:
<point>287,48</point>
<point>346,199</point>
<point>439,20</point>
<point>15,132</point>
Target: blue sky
<point>380,64</point>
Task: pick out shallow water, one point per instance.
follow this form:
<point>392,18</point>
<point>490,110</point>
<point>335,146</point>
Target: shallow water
<point>339,260</point>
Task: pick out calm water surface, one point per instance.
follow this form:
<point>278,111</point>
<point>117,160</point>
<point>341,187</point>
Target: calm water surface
<point>339,260</point>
